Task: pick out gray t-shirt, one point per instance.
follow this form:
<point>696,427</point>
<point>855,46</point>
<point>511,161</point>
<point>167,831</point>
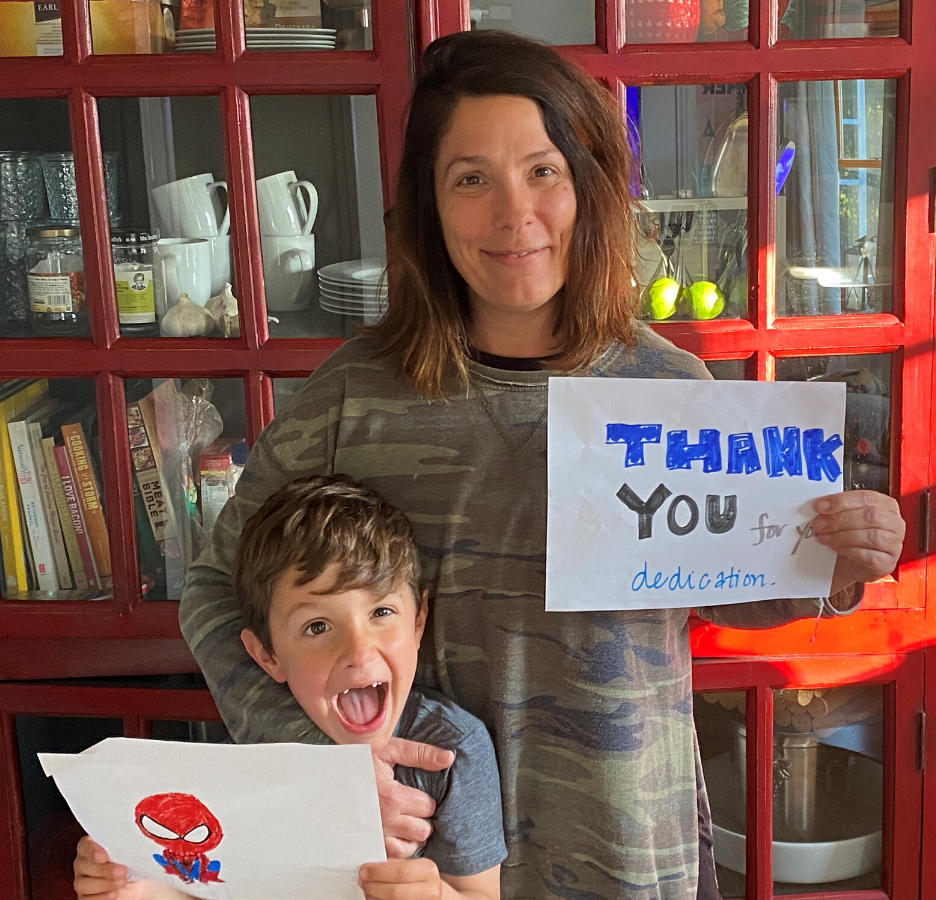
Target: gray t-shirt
<point>468,826</point>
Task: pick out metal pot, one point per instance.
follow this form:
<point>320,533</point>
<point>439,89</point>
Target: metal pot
<point>795,775</point>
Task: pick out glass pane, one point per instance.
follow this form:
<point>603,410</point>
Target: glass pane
<point>867,411</point>
<point>297,25</point>
<point>53,531</point>
<point>171,233</point>
<point>801,19</point>
<point>284,389</point>
<point>42,287</point>
<point>30,29</point>
<point>138,26</point>
<point>719,721</point>
<point>187,449</point>
<point>193,732</point>
<point>693,145</point>
<point>727,369</point>
<point>52,832</point>
<point>685,21</point>
<point>827,789</point>
<point>835,215</point>
<point>552,21</point>
<point>320,202</point>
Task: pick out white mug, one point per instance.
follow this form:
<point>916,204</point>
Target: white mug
<point>288,264</point>
<point>220,262</point>
<point>184,268</point>
<point>190,207</point>
<point>282,209</point>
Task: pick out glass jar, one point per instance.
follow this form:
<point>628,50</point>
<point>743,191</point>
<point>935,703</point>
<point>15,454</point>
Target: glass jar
<point>134,265</point>
<point>55,279</point>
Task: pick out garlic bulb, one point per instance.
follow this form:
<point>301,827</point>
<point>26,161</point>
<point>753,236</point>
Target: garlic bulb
<point>186,319</point>
<point>223,309</point>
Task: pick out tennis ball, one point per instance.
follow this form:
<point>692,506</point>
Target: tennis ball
<point>705,300</point>
<point>660,298</point>
<point>737,295</point>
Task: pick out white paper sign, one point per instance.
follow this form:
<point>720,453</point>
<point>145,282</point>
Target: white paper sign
<point>671,493</point>
<point>248,821</point>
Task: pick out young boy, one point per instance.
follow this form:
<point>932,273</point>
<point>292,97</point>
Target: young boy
<point>327,577</point>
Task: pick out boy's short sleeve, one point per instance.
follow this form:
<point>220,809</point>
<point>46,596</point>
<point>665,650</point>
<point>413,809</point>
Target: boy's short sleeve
<point>468,827</point>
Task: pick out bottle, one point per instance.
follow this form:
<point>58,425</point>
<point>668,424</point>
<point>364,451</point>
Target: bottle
<point>134,261</point>
<point>55,281</point>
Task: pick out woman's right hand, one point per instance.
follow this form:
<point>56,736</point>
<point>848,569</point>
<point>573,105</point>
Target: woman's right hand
<point>405,811</point>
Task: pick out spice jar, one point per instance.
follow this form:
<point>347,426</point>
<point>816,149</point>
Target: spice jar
<point>134,260</point>
<point>55,280</point>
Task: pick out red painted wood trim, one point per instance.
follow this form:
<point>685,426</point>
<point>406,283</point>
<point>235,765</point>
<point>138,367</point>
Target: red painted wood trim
<point>170,704</point>
<point>34,658</point>
<point>609,25</point>
<point>259,397</point>
<point>762,102</point>
<point>435,18</point>
<point>393,40</point>
<point>118,490</point>
<point>14,877</point>
<point>320,72</point>
<point>928,862</point>
<point>95,234</point>
<point>245,229</point>
<point>758,847</point>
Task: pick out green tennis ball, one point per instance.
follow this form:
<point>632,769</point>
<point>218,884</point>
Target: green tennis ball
<point>737,295</point>
<point>660,298</point>
<point>705,300</point>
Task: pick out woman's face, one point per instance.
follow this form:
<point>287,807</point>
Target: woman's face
<point>506,202</point>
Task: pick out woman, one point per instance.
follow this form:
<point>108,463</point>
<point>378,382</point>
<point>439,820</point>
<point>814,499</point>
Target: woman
<point>512,235</point>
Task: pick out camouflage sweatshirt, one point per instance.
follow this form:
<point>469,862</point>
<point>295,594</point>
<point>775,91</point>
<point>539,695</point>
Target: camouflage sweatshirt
<point>591,713</point>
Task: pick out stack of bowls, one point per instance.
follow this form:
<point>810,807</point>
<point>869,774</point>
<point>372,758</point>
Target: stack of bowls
<point>355,288</point>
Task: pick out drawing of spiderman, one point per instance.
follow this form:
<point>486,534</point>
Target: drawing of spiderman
<point>187,830</point>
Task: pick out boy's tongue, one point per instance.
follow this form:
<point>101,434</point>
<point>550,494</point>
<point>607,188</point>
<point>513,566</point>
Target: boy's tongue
<point>360,705</point>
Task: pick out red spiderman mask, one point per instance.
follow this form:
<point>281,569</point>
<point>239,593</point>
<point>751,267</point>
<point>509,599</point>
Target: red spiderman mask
<point>179,822</point>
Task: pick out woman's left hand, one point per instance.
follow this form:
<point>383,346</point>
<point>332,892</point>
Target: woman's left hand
<point>865,529</point>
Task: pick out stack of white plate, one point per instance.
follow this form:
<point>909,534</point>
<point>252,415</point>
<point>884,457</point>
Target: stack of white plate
<point>354,288</point>
<point>202,40</point>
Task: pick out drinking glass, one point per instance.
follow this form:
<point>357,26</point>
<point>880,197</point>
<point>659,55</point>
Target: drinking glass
<point>58,170</point>
<point>22,196</point>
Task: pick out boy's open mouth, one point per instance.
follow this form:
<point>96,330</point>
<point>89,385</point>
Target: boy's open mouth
<point>362,709</point>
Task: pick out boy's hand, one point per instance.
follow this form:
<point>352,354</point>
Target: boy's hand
<point>401,879</point>
<point>405,811</point>
<point>97,877</point>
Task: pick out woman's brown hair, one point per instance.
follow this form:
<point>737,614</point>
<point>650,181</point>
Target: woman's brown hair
<point>426,326</point>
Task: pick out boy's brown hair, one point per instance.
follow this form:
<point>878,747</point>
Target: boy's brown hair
<point>310,524</point>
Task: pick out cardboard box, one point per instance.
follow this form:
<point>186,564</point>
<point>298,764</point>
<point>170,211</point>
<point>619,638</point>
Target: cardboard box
<point>128,26</point>
<point>30,28</point>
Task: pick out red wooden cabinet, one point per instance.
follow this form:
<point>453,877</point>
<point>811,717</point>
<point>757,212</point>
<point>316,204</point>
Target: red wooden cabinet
<point>808,296</point>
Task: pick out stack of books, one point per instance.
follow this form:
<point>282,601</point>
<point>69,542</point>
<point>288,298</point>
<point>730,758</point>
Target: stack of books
<point>53,532</point>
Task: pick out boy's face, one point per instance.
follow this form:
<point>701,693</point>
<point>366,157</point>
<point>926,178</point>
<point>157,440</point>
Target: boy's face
<point>348,658</point>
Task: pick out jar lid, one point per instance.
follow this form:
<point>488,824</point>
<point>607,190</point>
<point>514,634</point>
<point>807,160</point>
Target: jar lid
<point>53,231</point>
<point>131,236</point>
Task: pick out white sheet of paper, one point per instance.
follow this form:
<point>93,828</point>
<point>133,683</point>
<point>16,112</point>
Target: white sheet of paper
<point>595,557</point>
<point>297,820</point>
